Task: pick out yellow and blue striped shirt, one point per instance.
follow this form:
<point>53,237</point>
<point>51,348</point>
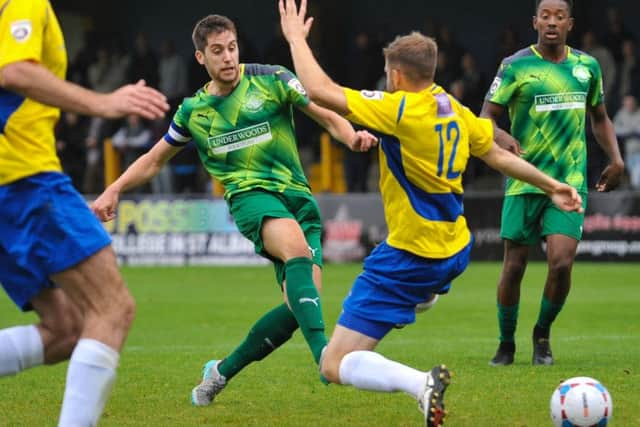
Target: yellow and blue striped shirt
<point>425,143</point>
<point>29,31</point>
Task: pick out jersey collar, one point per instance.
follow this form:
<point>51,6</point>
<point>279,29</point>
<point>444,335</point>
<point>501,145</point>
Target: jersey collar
<point>539,55</point>
<point>228,107</point>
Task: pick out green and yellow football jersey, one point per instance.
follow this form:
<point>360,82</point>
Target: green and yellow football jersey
<point>246,140</point>
<point>547,103</point>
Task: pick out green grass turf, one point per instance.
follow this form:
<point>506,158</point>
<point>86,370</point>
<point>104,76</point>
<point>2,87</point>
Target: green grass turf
<point>188,315</point>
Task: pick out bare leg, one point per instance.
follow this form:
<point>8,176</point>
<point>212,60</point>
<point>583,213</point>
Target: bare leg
<point>50,341</point>
<point>96,287</point>
<point>561,252</point>
<point>513,268</point>
<point>60,324</point>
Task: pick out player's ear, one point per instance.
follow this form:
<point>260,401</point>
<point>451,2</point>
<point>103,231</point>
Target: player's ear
<point>200,57</point>
<point>570,24</point>
<point>534,22</point>
<point>395,77</point>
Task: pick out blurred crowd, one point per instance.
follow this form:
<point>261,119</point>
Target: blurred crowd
<point>106,63</point>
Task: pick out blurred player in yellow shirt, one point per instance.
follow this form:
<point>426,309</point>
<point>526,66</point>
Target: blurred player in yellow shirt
<point>426,138</point>
<point>55,256</point>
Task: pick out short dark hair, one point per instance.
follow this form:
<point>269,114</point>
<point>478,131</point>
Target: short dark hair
<point>568,2</point>
<point>210,24</point>
<point>415,54</point>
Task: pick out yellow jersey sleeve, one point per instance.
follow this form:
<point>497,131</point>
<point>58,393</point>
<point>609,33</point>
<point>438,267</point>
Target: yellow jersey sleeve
<point>375,110</point>
<point>480,132</point>
<point>29,31</point>
<point>22,23</point>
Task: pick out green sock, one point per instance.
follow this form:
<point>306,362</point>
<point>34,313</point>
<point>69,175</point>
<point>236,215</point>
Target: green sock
<point>270,332</point>
<point>305,303</point>
<point>507,320</point>
<point>548,313</point>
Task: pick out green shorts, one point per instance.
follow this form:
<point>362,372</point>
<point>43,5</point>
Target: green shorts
<point>250,208</point>
<point>526,218</point>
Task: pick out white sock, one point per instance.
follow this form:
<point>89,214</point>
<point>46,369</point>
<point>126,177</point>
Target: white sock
<point>368,370</point>
<point>90,376</point>
<point>20,348</point>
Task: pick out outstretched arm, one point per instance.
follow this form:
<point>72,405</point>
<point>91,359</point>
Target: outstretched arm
<point>605,134</point>
<point>340,128</point>
<point>34,81</point>
<point>493,111</point>
<point>142,170</point>
<point>317,83</point>
<point>563,195</point>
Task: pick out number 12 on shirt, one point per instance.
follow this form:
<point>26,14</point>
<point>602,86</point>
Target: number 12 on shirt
<point>452,134</point>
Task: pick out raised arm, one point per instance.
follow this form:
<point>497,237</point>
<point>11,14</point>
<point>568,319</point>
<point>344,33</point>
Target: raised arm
<point>605,135</point>
<point>141,171</point>
<point>563,195</point>
<point>34,81</point>
<point>317,83</point>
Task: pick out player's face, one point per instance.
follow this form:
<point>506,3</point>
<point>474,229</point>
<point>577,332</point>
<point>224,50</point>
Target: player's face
<point>221,57</point>
<point>553,22</point>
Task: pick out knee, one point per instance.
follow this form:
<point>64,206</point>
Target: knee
<point>514,267</point>
<point>127,309</point>
<point>330,369</point>
<point>561,266</point>
<point>120,312</point>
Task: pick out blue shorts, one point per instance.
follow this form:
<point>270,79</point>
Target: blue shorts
<point>393,282</point>
<point>45,227</point>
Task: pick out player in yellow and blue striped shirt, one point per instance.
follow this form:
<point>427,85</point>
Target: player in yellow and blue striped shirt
<point>426,138</point>
<point>55,256</point>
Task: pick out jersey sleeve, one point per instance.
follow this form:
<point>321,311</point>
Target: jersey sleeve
<point>480,132</point>
<point>595,96</point>
<point>178,133</point>
<point>294,92</point>
<point>375,110</point>
<point>504,85</point>
<point>22,25</point>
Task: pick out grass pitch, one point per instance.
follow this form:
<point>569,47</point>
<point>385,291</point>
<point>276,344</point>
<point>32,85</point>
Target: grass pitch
<point>189,315</point>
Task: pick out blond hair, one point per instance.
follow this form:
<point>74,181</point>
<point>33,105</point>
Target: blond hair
<point>415,54</point>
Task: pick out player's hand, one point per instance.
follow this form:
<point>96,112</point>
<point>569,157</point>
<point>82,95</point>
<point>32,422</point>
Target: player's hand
<point>138,99</point>
<point>610,177</point>
<point>104,207</point>
<point>363,141</point>
<point>293,22</point>
<point>511,144</point>
<point>567,198</point>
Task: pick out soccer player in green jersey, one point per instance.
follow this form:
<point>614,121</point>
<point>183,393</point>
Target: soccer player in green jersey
<point>547,88</point>
<point>242,125</point>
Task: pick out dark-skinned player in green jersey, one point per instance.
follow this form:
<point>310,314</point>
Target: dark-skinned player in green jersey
<point>242,125</point>
<point>547,89</point>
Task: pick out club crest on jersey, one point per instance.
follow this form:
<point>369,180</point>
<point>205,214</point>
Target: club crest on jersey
<point>372,95</point>
<point>297,86</point>
<point>581,73</point>
<point>495,85</point>
<point>21,30</point>
<point>253,103</point>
